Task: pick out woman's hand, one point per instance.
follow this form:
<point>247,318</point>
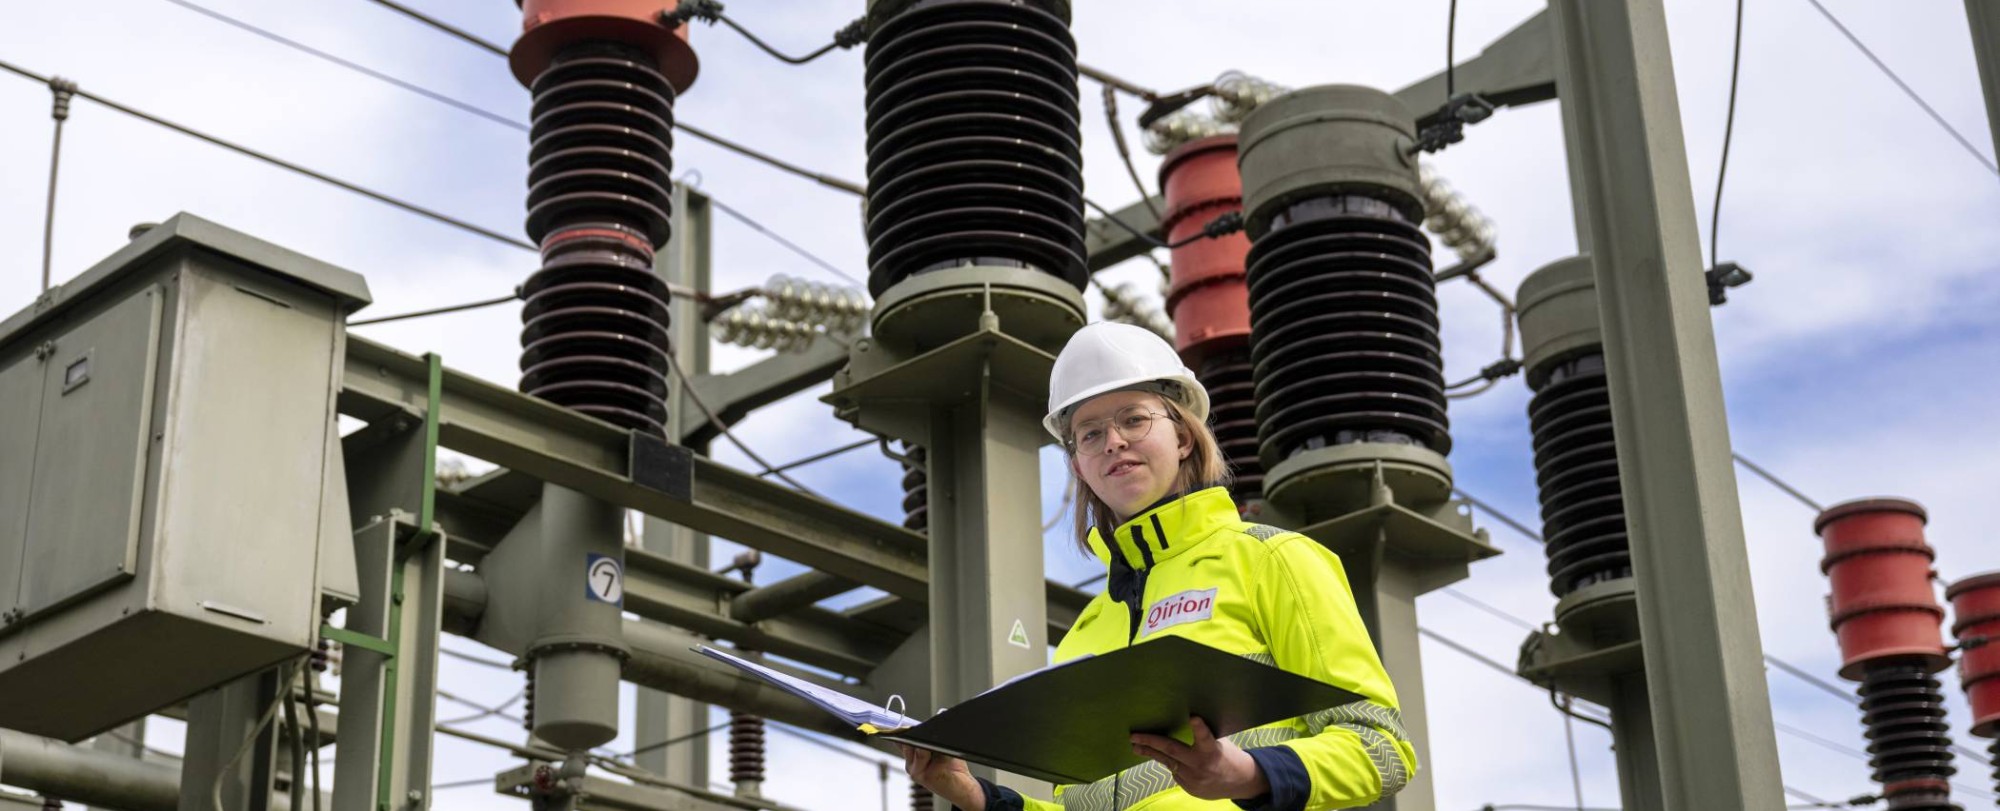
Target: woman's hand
<point>945,776</point>
<point>1210,769</point>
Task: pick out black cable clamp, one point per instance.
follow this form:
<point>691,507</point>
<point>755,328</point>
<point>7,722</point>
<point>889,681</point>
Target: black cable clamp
<point>1447,125</point>
<point>707,11</point>
<point>1722,277</point>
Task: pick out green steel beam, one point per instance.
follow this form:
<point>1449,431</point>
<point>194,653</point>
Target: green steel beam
<point>1517,69</point>
<point>1710,705</point>
<point>560,446</point>
<point>1106,244</point>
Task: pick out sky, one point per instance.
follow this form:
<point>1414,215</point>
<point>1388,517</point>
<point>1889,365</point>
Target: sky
<point>1864,359</point>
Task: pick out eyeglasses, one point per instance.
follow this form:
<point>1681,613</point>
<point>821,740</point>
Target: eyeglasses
<point>1132,423</point>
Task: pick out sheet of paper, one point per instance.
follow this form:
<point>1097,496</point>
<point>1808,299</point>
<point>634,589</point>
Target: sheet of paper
<point>848,708</point>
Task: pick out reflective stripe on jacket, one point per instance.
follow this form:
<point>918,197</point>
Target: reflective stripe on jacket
<point>1201,572</point>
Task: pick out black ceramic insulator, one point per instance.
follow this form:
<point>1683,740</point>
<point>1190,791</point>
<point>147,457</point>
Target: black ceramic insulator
<point>920,797</point>
<point>1909,741</point>
<point>746,748</point>
<point>1232,415</point>
<point>974,155</point>
<point>594,335</point>
<point>1576,471</point>
<point>916,491</point>
<point>1344,330</point>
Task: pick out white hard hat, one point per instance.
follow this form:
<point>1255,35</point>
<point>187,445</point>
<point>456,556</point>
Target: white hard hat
<point>1109,356</point>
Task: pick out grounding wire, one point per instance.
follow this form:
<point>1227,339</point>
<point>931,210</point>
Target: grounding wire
<point>1777,482</point>
<point>672,741</point>
<point>1907,90</point>
<point>1728,132</point>
<point>687,385</point>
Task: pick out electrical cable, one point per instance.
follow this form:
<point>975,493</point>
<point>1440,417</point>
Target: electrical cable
<point>800,735</point>
<point>350,65</point>
<point>777,163</point>
<point>1450,58</point>
<point>296,788</point>
<point>1125,150</point>
<point>1907,90</point>
<point>485,712</point>
<point>822,455</point>
<point>1728,131</point>
<point>282,163</point>
<point>847,37</point>
<point>1779,483</point>
<point>671,741</point>
<point>1069,497</point>
<point>312,720</point>
<point>1569,738</point>
<point>477,781</point>
<point>687,385</point>
<point>440,25</point>
<point>437,311</point>
<point>1489,608</point>
<point>475,659</point>
<point>788,244</point>
<point>1109,80</point>
<point>270,713</point>
<point>1499,516</point>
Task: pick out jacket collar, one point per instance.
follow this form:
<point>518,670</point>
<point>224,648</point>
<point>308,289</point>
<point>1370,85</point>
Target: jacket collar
<point>1167,529</point>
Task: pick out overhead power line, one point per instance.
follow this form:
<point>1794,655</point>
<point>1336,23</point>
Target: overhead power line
<point>437,311</point>
<point>441,25</point>
<point>283,164</point>
<point>1907,90</point>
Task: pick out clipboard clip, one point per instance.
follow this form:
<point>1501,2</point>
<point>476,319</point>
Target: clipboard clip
<point>895,699</point>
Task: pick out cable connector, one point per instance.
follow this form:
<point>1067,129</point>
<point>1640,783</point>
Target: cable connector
<point>1448,124</point>
<point>64,91</point>
<point>1722,277</point>
<point>852,34</point>
<point>1504,367</point>
<point>1223,225</point>
<point>707,11</point>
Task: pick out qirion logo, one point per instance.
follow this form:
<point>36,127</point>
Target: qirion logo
<point>1187,606</point>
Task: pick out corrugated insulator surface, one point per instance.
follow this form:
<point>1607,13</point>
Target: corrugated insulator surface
<point>1576,472</point>
<point>594,334</point>
<point>1344,330</point>
<point>974,155</point>
<point>1232,414</point>
<point>746,748</point>
<point>1909,743</point>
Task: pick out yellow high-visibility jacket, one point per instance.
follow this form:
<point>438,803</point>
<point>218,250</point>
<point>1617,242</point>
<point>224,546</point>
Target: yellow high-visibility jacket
<point>1192,567</point>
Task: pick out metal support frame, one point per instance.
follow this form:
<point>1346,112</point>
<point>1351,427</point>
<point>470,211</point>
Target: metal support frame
<point>662,716</point>
<point>1710,704</point>
<point>229,741</point>
<point>1984,16</point>
<point>556,445</point>
<point>388,698</point>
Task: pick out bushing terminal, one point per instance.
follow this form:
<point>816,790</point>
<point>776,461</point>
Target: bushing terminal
<point>1882,606</point>
<point>549,26</point>
<point>1975,608</point>
<point>1207,299</point>
<point>1326,141</point>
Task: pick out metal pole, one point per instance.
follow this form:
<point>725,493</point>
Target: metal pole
<point>662,716</point>
<point>232,740</point>
<point>988,594</point>
<point>1984,16</point>
<point>64,90</point>
<point>1710,705</point>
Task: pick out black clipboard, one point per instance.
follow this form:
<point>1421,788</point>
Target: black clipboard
<point>1072,724</point>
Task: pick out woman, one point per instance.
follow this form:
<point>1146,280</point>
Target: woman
<point>1147,470</point>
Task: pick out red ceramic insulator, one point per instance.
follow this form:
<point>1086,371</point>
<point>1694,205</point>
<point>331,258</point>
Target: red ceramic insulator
<point>1208,300</point>
<point>1975,603</point>
<point>1882,606</point>
<point>548,26</point>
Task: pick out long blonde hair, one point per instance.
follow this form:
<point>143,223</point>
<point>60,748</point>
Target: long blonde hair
<point>1203,467</point>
